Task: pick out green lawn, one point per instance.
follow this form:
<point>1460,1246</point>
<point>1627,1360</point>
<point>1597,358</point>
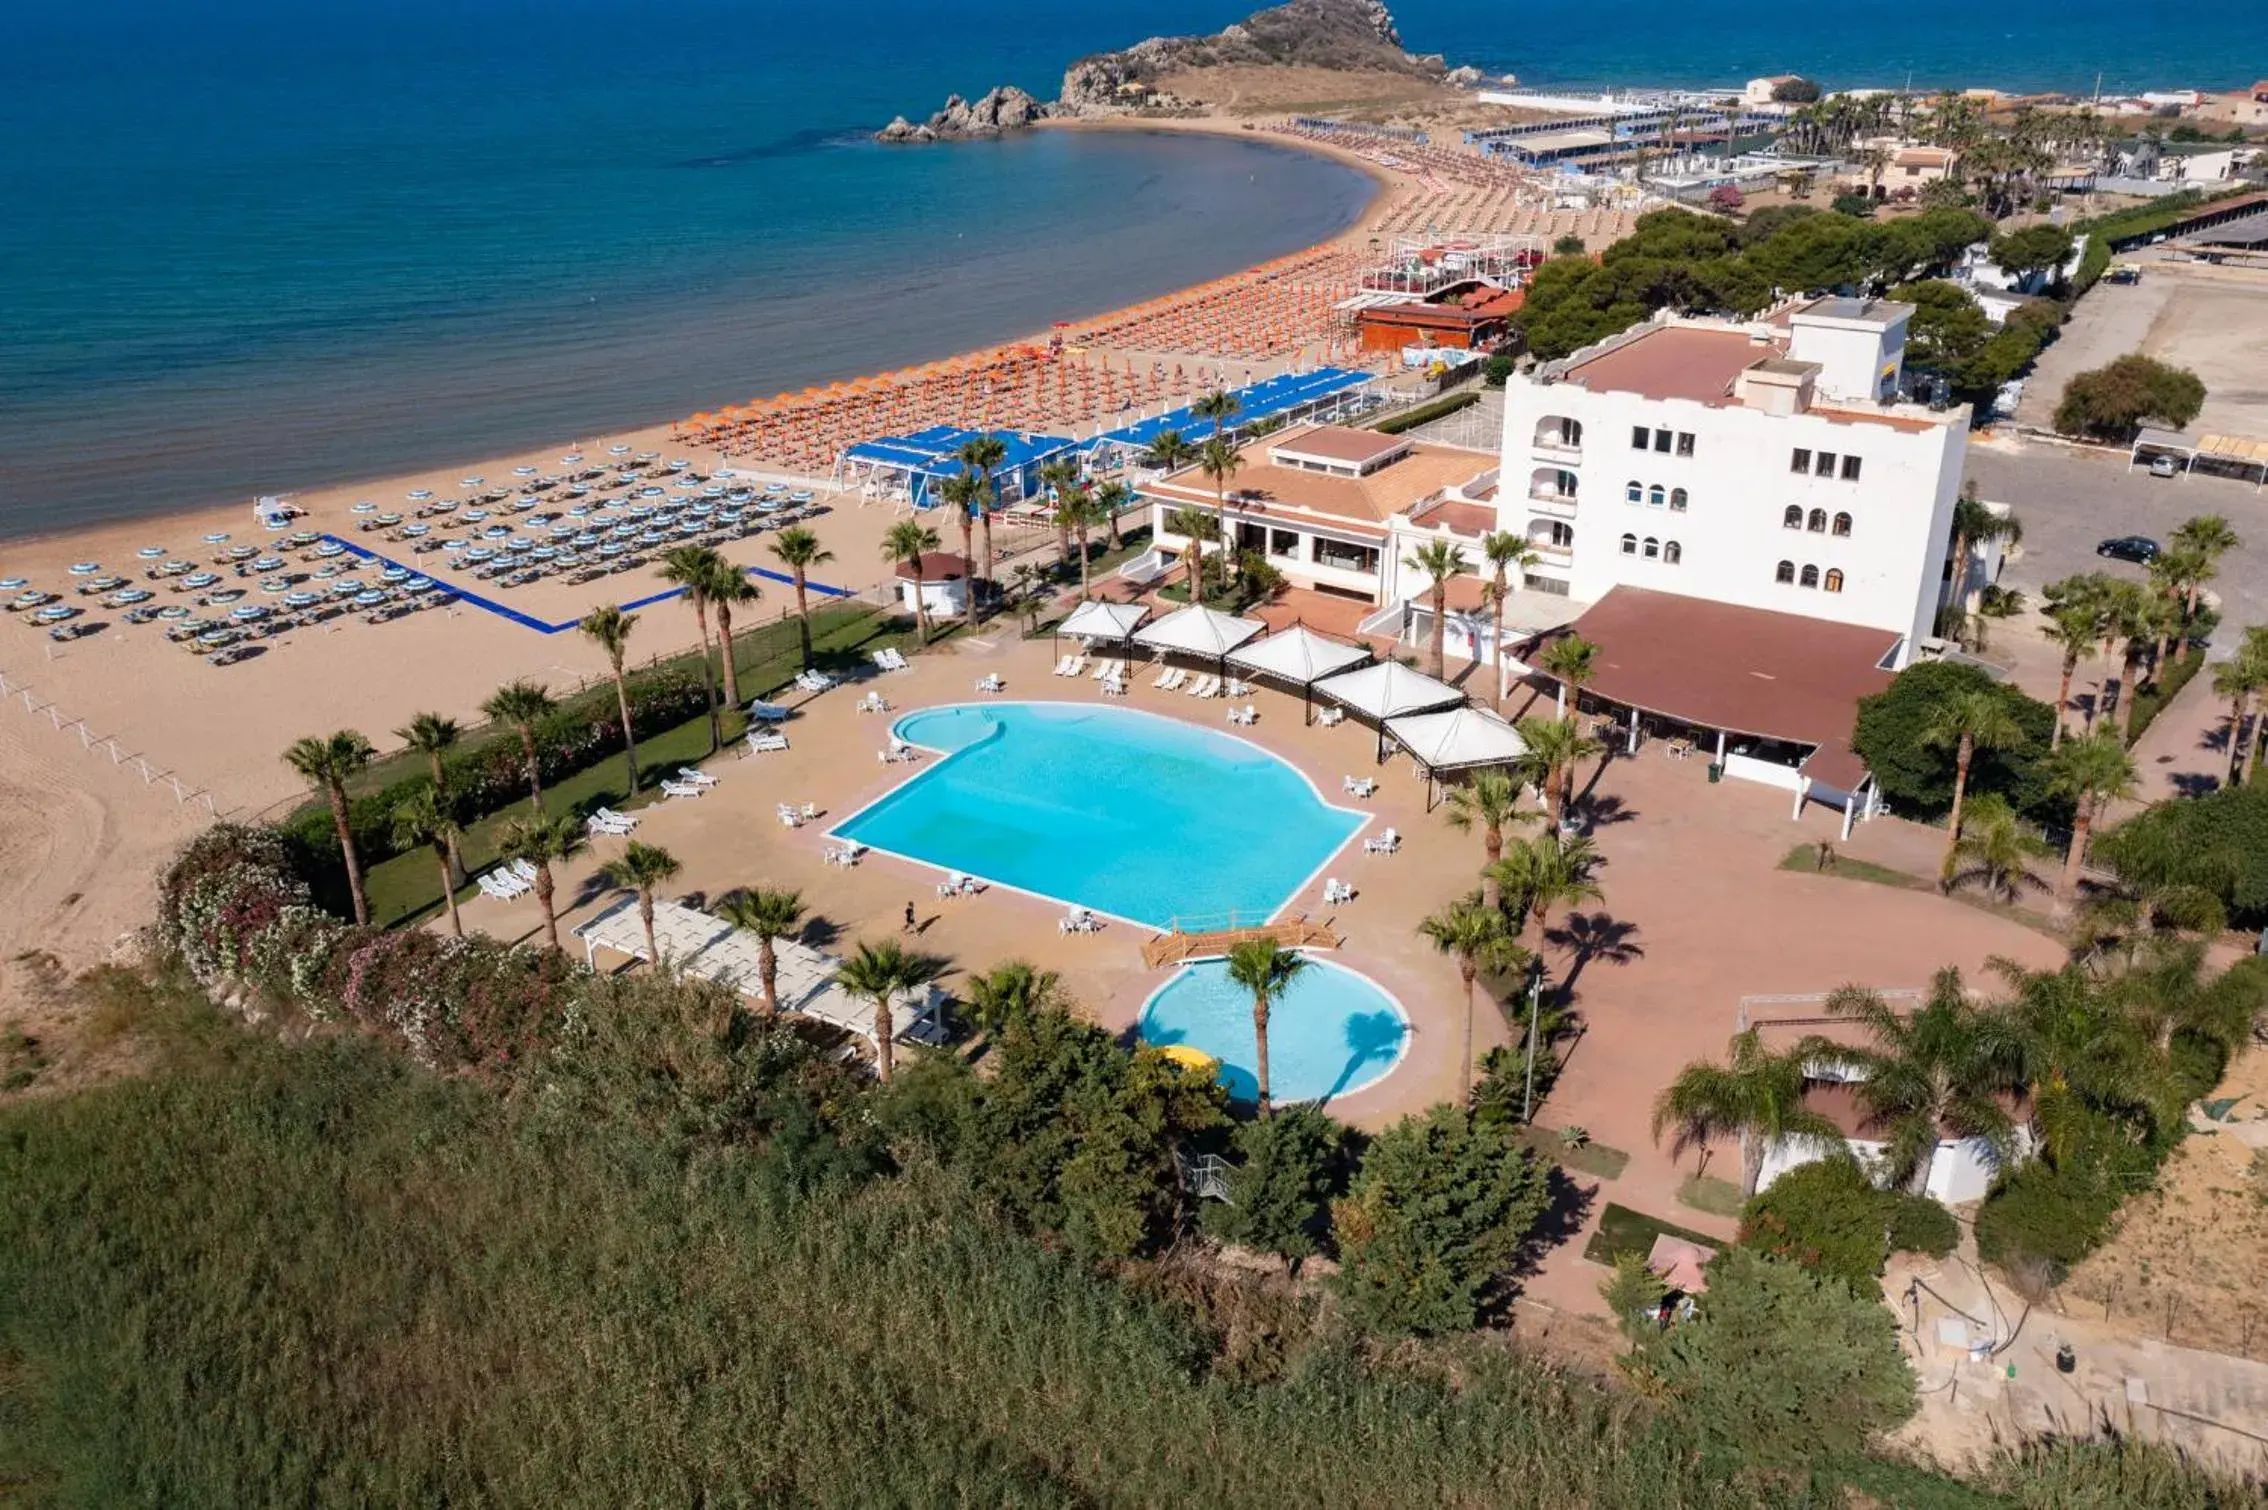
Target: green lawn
<point>1805,858</point>
<point>1705,1192</point>
<point>1591,1159</point>
<point>1622,1230</point>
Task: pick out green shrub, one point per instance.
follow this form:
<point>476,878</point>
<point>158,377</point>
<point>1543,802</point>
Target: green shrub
<point>1293,1163</point>
<point>2038,1213</point>
<point>2151,700</point>
<point>2111,402</point>
<point>1918,777</point>
<point>1919,1224</point>
<point>1431,409</point>
<point>1825,1216</point>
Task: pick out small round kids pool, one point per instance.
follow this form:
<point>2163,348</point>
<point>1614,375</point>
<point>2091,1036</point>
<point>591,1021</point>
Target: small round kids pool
<point>1332,1032</point>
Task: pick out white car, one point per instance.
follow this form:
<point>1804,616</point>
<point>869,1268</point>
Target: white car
<point>2164,466</point>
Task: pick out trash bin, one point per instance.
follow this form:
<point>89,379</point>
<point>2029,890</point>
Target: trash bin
<point>1716,772</point>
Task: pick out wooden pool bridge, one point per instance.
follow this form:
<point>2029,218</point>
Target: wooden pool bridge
<point>1182,941</point>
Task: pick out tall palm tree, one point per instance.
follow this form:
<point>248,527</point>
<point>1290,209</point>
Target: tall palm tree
<point>1062,478</point>
<point>1505,553</point>
<point>1439,560</point>
<point>1572,661</point>
<point>906,543</point>
<point>1012,991</point>
<point>2240,680</point>
<point>423,818</point>
<point>609,628</point>
<point>1940,1069</point>
<point>1076,513</point>
<point>963,493</point>
<point>980,455</point>
<point>542,842</point>
<point>330,763</point>
<point>434,737</point>
<point>1977,719</point>
<point>1196,526</point>
<point>2209,533</point>
<point>689,569</point>
<point>1755,1096</point>
<point>1555,747</point>
<point>1543,873</point>
<point>1220,461</point>
<point>1474,933</point>
<point>1974,524</point>
<point>2093,770</point>
<point>2075,626</point>
<point>1266,970</point>
<point>522,705</point>
<point>1111,500</point>
<point>1169,451</point>
<point>2079,1048</point>
<point>879,973</point>
<point>729,587</point>
<point>1995,848</point>
<point>640,868</point>
<point>2125,617</point>
<point>771,916</point>
<point>797,549</point>
<point>1220,406</point>
<point>1488,801</point>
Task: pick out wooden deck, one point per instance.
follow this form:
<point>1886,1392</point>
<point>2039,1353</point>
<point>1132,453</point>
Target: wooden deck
<point>1174,946</point>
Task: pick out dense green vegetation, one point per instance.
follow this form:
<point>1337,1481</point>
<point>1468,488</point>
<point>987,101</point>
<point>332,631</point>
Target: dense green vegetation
<point>1431,409</point>
<point>2111,402</point>
<point>1916,774</point>
<point>1829,1216</point>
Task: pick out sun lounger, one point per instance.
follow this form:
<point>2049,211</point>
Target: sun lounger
<point>524,869</point>
<point>1108,670</point>
<point>1078,666</point>
<point>698,778</point>
<point>1205,686</point>
<point>680,789</point>
<point>1166,678</point>
<point>767,742</point>
<point>1063,665</point>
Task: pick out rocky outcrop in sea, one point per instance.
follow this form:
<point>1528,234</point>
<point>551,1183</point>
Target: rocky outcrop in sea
<point>1004,109</point>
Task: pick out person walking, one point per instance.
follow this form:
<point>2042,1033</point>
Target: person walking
<point>909,919</point>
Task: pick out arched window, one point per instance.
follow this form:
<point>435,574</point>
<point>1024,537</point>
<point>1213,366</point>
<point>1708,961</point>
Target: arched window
<point>1653,549</point>
<point>1834,579</point>
<point>1842,524</point>
<point>1793,518</point>
<point>1548,483</point>
<point>1630,545</point>
<point>1672,553</point>
<point>1634,491</point>
<point>1810,577</point>
<point>1817,523</point>
<point>1559,430</point>
<point>1677,500</point>
<point>1563,535</point>
<point>1656,497</point>
<point>1785,572</point>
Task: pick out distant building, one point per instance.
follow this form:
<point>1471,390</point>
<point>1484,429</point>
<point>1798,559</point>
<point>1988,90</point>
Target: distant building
<point>1470,316</point>
<point>1766,90</point>
<point>2237,107</point>
<point>1918,167</point>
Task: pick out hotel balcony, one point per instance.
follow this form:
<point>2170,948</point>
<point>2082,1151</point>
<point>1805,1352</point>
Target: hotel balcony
<point>1551,492</point>
<point>1558,438</point>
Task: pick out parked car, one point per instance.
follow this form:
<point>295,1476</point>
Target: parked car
<point>2164,466</point>
<point>2140,549</point>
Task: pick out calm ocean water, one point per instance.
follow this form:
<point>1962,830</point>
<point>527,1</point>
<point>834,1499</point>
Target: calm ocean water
<point>253,245</point>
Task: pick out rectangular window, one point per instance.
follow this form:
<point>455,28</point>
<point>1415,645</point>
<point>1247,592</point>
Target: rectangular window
<point>1345,557</point>
<point>1799,460</point>
<point>1639,437</point>
<point>1283,543</point>
<point>1850,469</point>
<point>1661,440</point>
<point>1825,465</point>
<point>1685,442</point>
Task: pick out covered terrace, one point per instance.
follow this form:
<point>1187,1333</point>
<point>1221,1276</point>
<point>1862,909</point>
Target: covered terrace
<point>1326,393</point>
<point>912,468</point>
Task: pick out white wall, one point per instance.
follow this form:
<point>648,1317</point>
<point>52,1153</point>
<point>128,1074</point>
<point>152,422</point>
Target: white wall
<point>1963,1170</point>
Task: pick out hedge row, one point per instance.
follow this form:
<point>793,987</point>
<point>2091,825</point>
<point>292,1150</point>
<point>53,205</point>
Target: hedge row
<point>1432,409</point>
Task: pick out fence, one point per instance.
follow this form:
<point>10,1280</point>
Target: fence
<point>18,693</point>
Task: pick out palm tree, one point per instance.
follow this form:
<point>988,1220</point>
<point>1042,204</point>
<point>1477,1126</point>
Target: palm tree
<point>1012,991</point>
<point>2125,617</point>
<point>729,586</point>
<point>2075,625</point>
<point>1474,933</point>
<point>1169,451</point>
<point>1220,406</point>
<point>542,842</point>
<point>1488,801</point>
<point>1938,1070</point>
<point>1111,500</point>
<point>1266,970</point>
<point>771,916</point>
<point>609,628</point>
<point>1220,460</point>
<point>2078,1048</point>
<point>433,736</point>
<point>688,568</point>
<point>1061,478</point>
<point>1078,512</point>
<point>906,543</point>
<point>1504,551</point>
<point>1196,526</point>
<point>1977,719</point>
<point>1546,873</point>
<point>2210,537</point>
<point>1996,848</point>
<point>330,764</point>
<point>980,456</point>
<point>423,818</point>
<point>641,867</point>
<point>1572,661</point>
<point>1439,560</point>
<point>2239,679</point>
<point>1975,524</point>
<point>523,705</point>
<point>963,493</point>
<point>1555,747</point>
<point>1756,1096</point>
<point>2093,771</point>
<point>797,549</point>
<point>878,973</point>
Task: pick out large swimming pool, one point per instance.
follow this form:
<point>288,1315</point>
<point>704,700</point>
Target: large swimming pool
<point>1111,809</point>
<point>1333,1031</point>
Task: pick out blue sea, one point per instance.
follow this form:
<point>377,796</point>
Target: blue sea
<point>256,245</point>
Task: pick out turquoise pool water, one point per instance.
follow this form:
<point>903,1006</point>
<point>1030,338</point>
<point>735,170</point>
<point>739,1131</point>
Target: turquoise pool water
<point>1107,808</point>
<point>1332,1032</point>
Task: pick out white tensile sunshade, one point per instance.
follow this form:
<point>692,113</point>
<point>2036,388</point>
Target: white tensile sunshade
<point>1104,621</point>
<point>1298,654</point>
<point>1458,739</point>
<point>1388,690</point>
<point>1198,631</point>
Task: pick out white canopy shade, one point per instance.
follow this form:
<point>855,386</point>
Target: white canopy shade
<point>1388,690</point>
<point>1458,739</point>
<point>1298,654</point>
<point>1104,621</point>
<point>1198,631</point>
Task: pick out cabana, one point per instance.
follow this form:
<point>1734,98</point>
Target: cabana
<point>1327,391</point>
<point>1301,657</point>
<point>1388,690</point>
<point>915,466</point>
<point>1198,631</point>
<point>1094,621</point>
<point>1462,739</point>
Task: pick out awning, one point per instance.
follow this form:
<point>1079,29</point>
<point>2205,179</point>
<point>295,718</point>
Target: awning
<point>1104,621</point>
<point>1457,740</point>
<point>1198,631</point>
<point>1388,690</point>
<point>1298,654</point>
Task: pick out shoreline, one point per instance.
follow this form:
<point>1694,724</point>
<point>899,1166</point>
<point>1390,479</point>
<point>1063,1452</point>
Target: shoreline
<point>648,433</point>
